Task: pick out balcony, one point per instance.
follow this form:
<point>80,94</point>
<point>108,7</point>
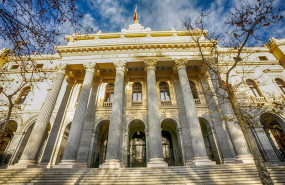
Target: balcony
<point>258,99</point>
<point>136,103</point>
<point>197,101</point>
<point>165,102</point>
<point>107,104</point>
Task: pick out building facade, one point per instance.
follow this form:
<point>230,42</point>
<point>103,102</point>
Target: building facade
<point>141,98</point>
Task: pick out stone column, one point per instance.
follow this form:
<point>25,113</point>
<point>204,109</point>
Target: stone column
<point>235,132</point>
<point>223,137</point>
<point>114,135</point>
<point>183,122</point>
<point>83,151</point>
<point>198,145</point>
<point>155,141</point>
<point>73,141</point>
<point>35,140</point>
<point>54,133</point>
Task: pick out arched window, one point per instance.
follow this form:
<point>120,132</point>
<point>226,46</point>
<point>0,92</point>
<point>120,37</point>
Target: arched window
<point>164,91</point>
<point>253,88</point>
<point>25,92</point>
<point>137,91</point>
<point>281,84</point>
<point>109,93</point>
<point>194,90</point>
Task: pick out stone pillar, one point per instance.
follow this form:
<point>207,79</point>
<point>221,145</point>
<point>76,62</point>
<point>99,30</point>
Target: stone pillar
<point>54,133</point>
<point>223,137</point>
<point>187,145</point>
<point>198,145</point>
<point>235,132</point>
<point>114,135</point>
<point>34,143</point>
<point>73,141</point>
<point>83,151</point>
<point>154,134</point>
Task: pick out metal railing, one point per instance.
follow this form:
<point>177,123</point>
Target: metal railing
<point>107,104</point>
<point>280,153</point>
<point>165,102</point>
<point>259,99</point>
<point>197,101</point>
<point>136,103</point>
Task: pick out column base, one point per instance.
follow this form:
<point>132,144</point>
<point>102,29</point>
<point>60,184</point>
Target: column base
<point>230,161</point>
<point>200,161</point>
<point>245,158</point>
<point>157,163</point>
<point>67,164</point>
<point>24,164</point>
<point>111,163</point>
<point>44,165</point>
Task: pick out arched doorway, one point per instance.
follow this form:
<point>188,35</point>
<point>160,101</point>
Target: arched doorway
<point>63,144</point>
<point>100,144</point>
<point>7,135</point>
<point>137,144</point>
<point>209,140</point>
<point>23,143</point>
<point>274,128</point>
<point>170,143</point>
<point>5,140</point>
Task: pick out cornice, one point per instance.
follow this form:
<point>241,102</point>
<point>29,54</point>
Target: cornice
<point>112,35</point>
<point>128,47</point>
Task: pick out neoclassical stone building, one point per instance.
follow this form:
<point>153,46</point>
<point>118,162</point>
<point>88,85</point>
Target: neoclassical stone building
<point>140,98</point>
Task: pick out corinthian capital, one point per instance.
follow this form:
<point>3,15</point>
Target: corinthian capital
<point>150,64</point>
<point>61,68</point>
<point>70,80</point>
<point>120,65</point>
<point>181,63</point>
<point>90,66</point>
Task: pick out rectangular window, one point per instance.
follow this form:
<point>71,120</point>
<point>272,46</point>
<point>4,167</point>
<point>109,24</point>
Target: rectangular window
<point>262,58</point>
<point>39,66</point>
<point>238,59</point>
<point>15,67</point>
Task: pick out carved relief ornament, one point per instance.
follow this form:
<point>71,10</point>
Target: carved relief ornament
<point>90,66</point>
<point>181,63</point>
<point>150,64</point>
<point>61,68</point>
<point>120,65</point>
<point>70,80</point>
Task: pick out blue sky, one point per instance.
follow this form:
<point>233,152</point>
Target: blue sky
<point>113,15</point>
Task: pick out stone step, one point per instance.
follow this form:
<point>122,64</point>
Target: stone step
<point>131,178</point>
<point>64,171</point>
<point>220,174</point>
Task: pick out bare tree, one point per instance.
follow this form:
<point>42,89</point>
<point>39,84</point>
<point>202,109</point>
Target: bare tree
<point>30,28</point>
<point>246,21</point>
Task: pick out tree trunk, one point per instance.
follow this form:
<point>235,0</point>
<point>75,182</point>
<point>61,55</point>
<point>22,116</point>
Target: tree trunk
<point>250,138</point>
<point>7,119</point>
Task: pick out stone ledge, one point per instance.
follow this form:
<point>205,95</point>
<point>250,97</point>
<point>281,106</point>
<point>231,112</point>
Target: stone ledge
<point>111,163</point>
<point>157,163</point>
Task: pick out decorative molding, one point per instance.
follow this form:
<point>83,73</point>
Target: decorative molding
<point>150,64</point>
<point>97,79</point>
<point>90,66</point>
<point>136,114</point>
<point>103,114</point>
<point>70,80</point>
<point>61,68</point>
<point>120,65</point>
